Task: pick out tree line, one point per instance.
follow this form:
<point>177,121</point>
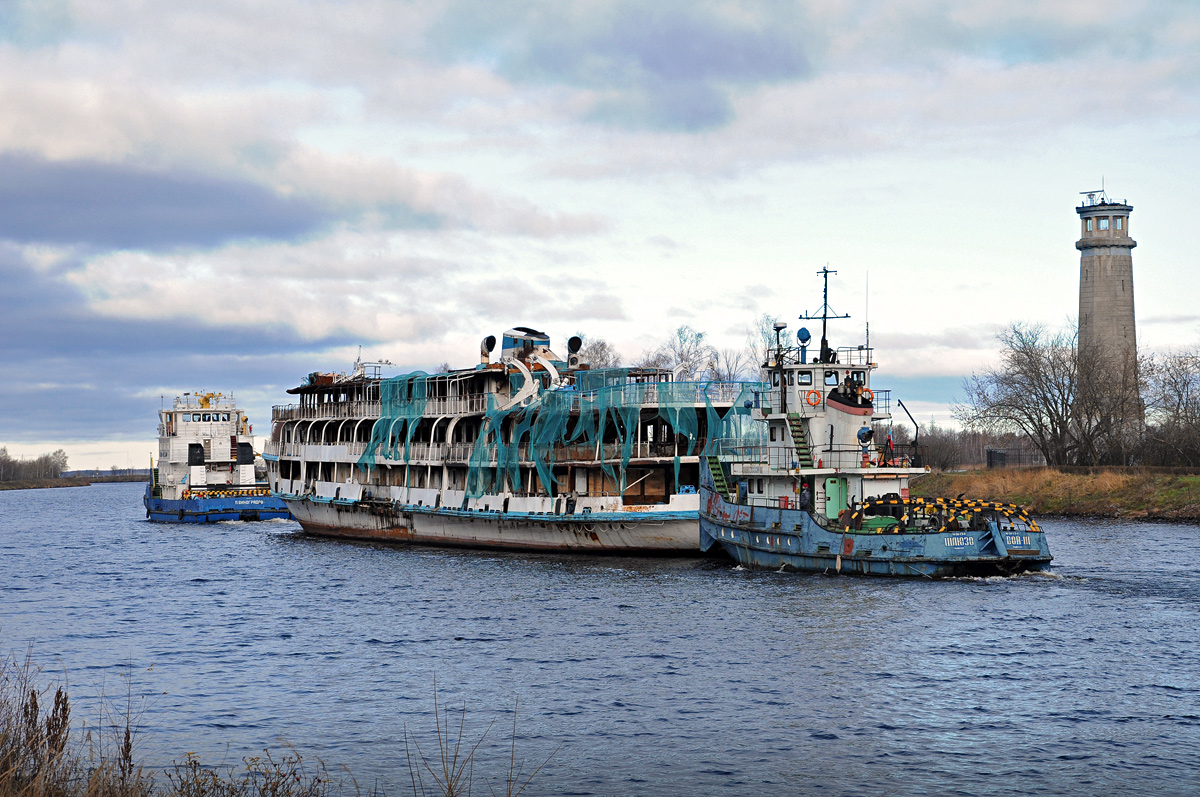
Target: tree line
<point>689,352</point>
<point>1078,405</point>
<point>47,466</point>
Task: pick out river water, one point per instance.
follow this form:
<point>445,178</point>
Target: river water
<point>636,676</point>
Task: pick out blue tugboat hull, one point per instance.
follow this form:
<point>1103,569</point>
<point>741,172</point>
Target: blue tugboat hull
<point>213,509</point>
<point>789,539</point>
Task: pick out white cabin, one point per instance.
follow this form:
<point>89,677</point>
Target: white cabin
<point>204,445</point>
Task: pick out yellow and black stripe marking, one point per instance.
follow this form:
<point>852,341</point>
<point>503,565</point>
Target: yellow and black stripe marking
<point>951,507</point>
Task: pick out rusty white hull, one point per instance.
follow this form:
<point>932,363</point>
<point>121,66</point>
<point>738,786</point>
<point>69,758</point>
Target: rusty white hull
<point>668,532</point>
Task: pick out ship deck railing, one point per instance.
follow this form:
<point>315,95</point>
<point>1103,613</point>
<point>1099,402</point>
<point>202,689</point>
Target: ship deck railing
<point>644,393</point>
<point>461,453</point>
<point>775,458</point>
<point>881,406</point>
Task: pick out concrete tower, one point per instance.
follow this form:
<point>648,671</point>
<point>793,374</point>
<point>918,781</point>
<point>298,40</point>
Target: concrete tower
<point>1106,319</point>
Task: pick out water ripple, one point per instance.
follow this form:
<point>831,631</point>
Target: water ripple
<point>656,676</point>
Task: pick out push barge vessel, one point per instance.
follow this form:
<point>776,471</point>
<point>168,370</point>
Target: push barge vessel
<point>205,469</point>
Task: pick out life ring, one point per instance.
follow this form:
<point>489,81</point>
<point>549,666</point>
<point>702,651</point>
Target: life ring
<point>813,397</point>
<point>868,394</point>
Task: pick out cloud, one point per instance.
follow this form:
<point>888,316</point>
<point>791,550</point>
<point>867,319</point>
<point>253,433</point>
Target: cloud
<point>668,65</point>
<point>113,206</point>
<point>71,373</point>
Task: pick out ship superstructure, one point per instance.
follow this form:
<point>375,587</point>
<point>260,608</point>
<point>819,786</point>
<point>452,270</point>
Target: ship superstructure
<point>532,451</point>
<point>205,468</point>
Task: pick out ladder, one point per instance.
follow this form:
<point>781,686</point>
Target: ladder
<point>800,440</point>
<point>718,476</point>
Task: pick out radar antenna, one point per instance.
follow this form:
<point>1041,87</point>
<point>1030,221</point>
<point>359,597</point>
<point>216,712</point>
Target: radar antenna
<point>826,313</point>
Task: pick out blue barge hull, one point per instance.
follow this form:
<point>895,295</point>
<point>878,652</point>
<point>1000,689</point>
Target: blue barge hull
<point>214,509</point>
<point>790,539</point>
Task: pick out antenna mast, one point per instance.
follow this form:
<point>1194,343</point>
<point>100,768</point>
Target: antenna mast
<point>826,314</point>
<point>867,312</point>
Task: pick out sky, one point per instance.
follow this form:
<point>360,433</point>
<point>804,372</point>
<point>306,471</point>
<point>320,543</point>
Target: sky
<point>225,196</point>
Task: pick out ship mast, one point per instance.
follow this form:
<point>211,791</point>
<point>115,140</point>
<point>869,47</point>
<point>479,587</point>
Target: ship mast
<point>826,314</point>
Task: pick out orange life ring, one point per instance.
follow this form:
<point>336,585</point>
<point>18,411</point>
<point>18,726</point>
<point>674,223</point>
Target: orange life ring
<point>813,397</point>
<point>868,394</point>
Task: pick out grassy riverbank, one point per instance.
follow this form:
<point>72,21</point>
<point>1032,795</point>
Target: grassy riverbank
<point>39,484</point>
<point>1117,492</point>
<point>69,481</point>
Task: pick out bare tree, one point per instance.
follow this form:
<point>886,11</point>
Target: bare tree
<point>1172,409</point>
<point>598,352</point>
<point>1032,390</point>
<point>760,339</point>
<point>727,365</point>
<point>940,447</point>
<point>686,351</point>
<point>1109,413</point>
<point>1078,406</point>
<point>47,466</point>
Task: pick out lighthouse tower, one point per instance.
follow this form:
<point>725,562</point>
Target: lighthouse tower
<point>1106,321</point>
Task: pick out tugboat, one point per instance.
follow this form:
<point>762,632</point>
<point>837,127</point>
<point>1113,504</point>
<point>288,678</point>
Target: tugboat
<point>205,470</point>
<point>802,483</point>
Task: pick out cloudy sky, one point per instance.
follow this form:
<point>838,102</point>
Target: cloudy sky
<point>227,195</point>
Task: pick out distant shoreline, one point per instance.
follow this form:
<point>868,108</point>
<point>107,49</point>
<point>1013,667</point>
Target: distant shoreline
<point>69,481</point>
<point>1132,493</point>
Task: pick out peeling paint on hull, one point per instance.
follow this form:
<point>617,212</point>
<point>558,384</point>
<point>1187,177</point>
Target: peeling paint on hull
<point>665,533</point>
<point>789,539</point>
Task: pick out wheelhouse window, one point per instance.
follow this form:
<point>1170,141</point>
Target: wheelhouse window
<point>805,378</point>
<point>775,378</point>
<point>207,417</point>
<point>831,378</point>
<point>196,417</point>
<point>859,376</point>
<point>225,416</point>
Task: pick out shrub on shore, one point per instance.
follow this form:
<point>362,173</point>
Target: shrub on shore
<point>41,755</point>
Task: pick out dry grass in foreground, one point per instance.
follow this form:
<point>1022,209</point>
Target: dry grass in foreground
<point>42,756</point>
<point>1102,493</point>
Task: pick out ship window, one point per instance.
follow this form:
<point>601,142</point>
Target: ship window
<point>1104,223</point>
<point>792,378</point>
<point>775,378</point>
<point>760,487</point>
<point>196,417</point>
<point>772,434</point>
<point>831,378</point>
<point>225,416</point>
<point>1119,220</point>
<point>1089,225</point>
<point>805,378</point>
<point>207,417</point>
<point>859,377</point>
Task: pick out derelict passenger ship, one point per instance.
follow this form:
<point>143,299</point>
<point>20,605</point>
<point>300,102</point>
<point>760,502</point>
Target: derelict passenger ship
<point>805,485</point>
<point>205,468</point>
<point>529,452</point>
